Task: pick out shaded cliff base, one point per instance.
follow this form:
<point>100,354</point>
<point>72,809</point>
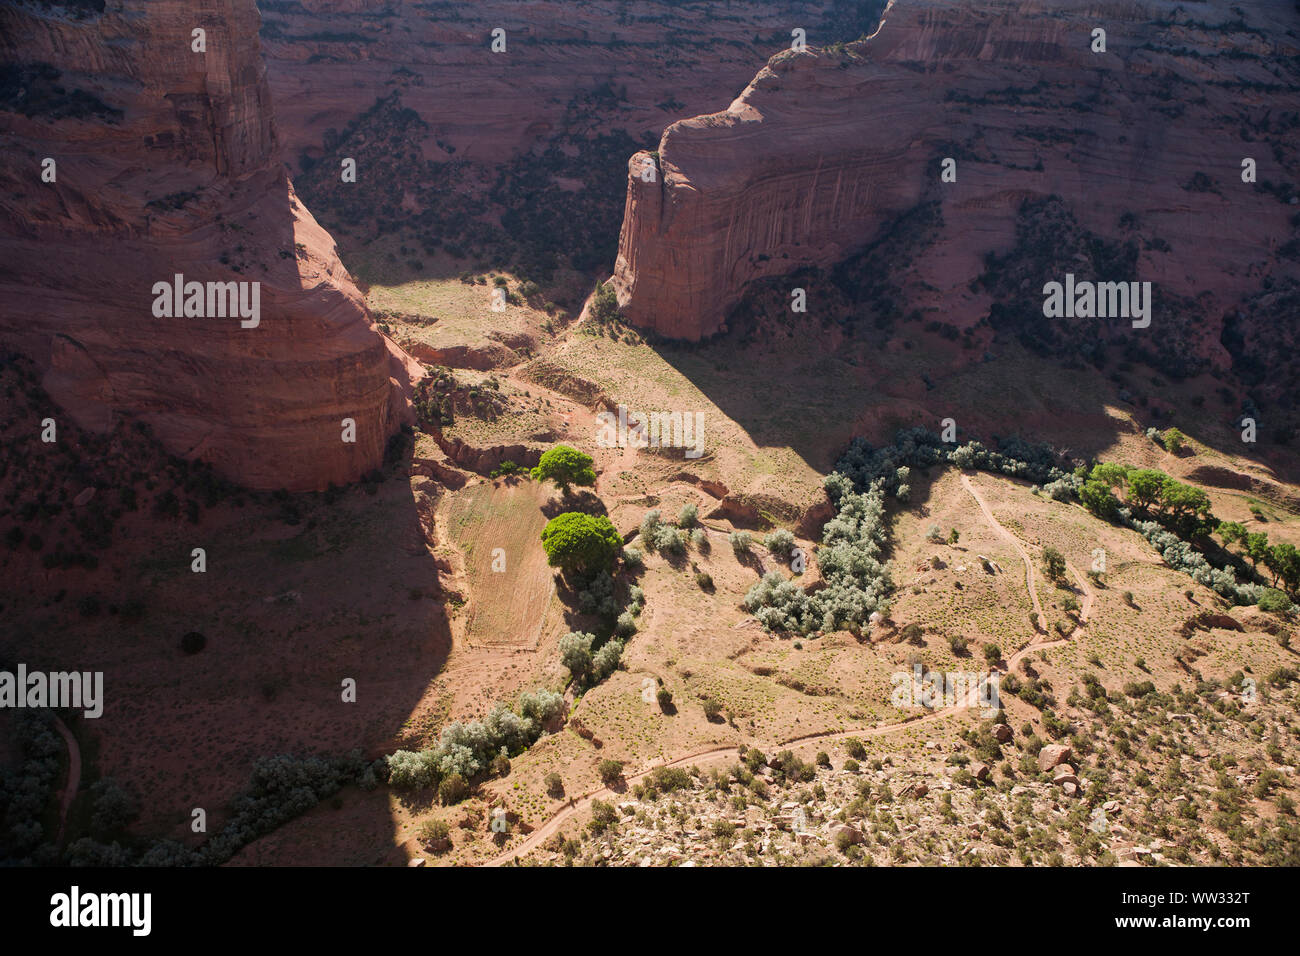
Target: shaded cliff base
<point>1191,365</point>
<point>98,565</point>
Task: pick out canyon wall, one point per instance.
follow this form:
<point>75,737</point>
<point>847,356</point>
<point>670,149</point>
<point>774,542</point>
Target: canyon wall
<point>825,147</point>
<point>513,155</point>
<point>636,66</point>
<point>165,162</point>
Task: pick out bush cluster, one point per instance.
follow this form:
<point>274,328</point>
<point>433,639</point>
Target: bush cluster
<point>857,582</point>
<point>589,660</point>
<point>467,750</point>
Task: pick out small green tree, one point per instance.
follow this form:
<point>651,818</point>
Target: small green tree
<point>604,304</point>
<point>1175,440</point>
<point>453,789</point>
<point>603,816</point>
<point>434,834</point>
<point>1283,560</point>
<point>1146,486</point>
<point>1098,498</point>
<point>565,466</point>
<point>1256,547</point>
<point>1231,531</point>
<point>581,543</point>
<point>1053,563</point>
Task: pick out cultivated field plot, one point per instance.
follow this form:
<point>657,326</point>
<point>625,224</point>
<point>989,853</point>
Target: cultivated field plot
<point>497,526</point>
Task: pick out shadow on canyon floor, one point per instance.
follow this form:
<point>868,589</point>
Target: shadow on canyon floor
<point>815,390</point>
<point>300,594</point>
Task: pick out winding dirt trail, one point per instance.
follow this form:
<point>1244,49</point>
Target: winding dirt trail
<point>714,755</point>
<point>1015,543</point>
<point>74,776</point>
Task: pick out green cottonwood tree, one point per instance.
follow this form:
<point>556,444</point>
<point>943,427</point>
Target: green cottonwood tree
<point>565,466</point>
<point>581,543</point>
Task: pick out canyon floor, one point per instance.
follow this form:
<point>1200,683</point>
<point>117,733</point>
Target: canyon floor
<point>431,631</point>
<point>1144,720</point>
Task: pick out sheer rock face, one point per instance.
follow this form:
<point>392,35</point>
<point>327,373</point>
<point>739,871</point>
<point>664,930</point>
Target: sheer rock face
<point>167,163</point>
<point>823,148</point>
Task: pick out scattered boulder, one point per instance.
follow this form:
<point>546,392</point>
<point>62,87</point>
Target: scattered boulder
<point>1051,755</point>
<point>1002,733</point>
<point>852,835</point>
<point>1065,775</point>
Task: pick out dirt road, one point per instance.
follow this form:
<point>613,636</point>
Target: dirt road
<point>74,776</point>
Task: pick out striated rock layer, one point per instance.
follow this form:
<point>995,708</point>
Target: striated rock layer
<point>824,147</point>
<point>166,162</point>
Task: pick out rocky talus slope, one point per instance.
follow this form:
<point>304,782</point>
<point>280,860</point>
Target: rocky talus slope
<point>165,162</point>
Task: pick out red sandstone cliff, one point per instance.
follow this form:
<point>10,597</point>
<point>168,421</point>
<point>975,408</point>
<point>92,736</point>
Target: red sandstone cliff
<point>167,162</point>
<point>328,61</point>
<point>823,148</point>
